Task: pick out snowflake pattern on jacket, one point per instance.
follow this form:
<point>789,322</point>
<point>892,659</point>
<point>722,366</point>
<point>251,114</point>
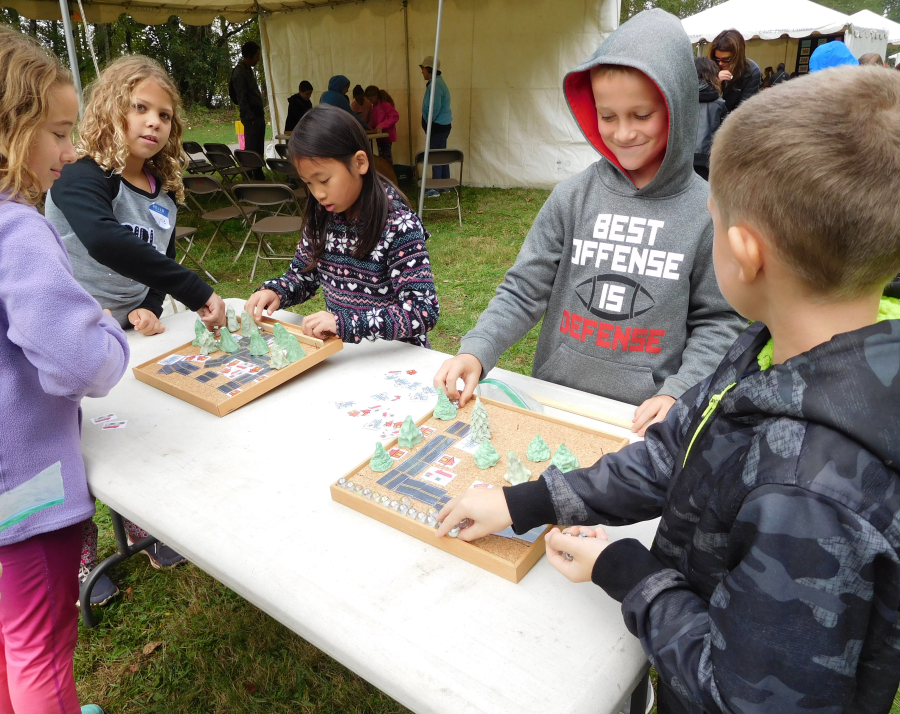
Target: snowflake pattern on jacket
<point>388,295</point>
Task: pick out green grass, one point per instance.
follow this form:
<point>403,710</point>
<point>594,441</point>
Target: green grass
<point>202,125</point>
<point>217,653</point>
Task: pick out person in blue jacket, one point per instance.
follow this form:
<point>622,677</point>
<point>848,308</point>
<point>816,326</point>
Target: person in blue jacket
<point>831,54</point>
<point>442,118</point>
<point>336,95</point>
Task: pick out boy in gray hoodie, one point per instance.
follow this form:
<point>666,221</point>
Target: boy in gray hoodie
<point>618,261</point>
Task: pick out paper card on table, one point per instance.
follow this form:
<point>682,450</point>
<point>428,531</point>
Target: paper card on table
<point>529,537</point>
<point>418,397</point>
<point>103,418</point>
<point>469,445</point>
<point>234,393</point>
<point>426,431</point>
<point>481,484</point>
<point>344,405</point>
<point>446,461</point>
<point>439,476</point>
<point>196,358</point>
<point>410,371</point>
<point>374,425</point>
<point>171,359</point>
<point>396,453</point>
<point>383,397</point>
<point>114,425</point>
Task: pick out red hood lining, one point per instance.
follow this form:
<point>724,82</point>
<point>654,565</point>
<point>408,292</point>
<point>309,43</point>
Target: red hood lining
<point>580,95</point>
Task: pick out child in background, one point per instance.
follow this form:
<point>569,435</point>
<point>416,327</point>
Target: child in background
<point>773,582</point>
<point>53,352</point>
<point>384,119</point>
<point>361,106</point>
<point>116,209</point>
<point>362,244</point>
<point>712,112</point>
<point>298,105</point>
<point>618,261</point>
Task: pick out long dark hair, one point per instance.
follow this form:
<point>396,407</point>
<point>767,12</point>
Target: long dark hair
<point>708,71</point>
<point>327,132</point>
<point>731,41</point>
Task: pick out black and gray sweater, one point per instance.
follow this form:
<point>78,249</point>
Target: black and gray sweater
<point>773,582</point>
<point>121,241</point>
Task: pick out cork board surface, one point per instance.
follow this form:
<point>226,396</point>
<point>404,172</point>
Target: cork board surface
<point>222,381</point>
<point>512,429</point>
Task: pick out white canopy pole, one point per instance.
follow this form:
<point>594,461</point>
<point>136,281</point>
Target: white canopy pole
<point>434,75</point>
<point>73,58</point>
<point>264,41</point>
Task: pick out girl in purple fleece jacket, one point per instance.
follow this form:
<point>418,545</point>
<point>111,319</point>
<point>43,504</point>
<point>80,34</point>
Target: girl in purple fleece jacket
<point>44,496</point>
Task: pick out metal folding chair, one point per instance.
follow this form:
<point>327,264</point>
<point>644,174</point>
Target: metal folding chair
<point>286,169</point>
<point>184,239</point>
<point>212,189</point>
<point>217,148</point>
<point>282,151</point>
<point>197,166</point>
<point>225,166</point>
<point>439,157</point>
<point>265,196</point>
<point>249,161</point>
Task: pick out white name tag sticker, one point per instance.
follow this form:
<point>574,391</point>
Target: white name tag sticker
<point>160,215</point>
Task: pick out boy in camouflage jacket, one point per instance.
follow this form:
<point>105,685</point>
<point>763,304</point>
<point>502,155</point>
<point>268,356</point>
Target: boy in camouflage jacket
<point>773,582</point>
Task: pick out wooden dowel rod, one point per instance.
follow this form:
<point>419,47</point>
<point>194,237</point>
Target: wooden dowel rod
<point>599,416</point>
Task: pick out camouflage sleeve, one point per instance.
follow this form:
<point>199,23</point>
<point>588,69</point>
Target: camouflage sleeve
<point>624,487</point>
<point>789,628</point>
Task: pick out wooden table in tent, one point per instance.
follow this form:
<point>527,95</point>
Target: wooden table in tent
<point>246,498</point>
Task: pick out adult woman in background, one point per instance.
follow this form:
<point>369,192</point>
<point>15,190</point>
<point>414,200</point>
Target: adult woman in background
<point>442,117</point>
<point>739,75</point>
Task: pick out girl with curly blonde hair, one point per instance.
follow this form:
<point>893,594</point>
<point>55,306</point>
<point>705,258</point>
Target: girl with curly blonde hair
<point>40,542</point>
<point>116,209</point>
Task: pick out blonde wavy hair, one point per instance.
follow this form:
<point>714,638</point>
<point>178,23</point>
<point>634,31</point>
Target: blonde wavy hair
<point>103,132</point>
<point>28,74</point>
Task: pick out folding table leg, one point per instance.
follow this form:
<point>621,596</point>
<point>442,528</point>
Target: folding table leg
<point>125,552</point>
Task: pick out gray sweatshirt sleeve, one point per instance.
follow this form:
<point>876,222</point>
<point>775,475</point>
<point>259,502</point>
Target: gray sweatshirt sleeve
<point>711,324</point>
<point>522,297</point>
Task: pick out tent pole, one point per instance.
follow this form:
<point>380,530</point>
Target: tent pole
<point>73,58</point>
<point>408,80</point>
<point>264,41</point>
<point>434,76</point>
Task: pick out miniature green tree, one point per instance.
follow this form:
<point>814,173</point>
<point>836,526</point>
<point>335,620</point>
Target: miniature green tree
<point>207,343</point>
<point>258,345</point>
<point>481,424</point>
<point>248,326</point>
<point>278,360</point>
<point>226,342</point>
<point>409,433</point>
<point>199,329</point>
<point>231,318</point>
<point>564,459</point>
<point>486,455</point>
<point>516,472</point>
<point>444,410</point>
<point>281,335</point>
<point>537,450</point>
<point>381,460</point>
<point>295,351</point>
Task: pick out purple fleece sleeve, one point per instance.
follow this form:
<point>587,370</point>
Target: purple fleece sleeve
<point>77,349</point>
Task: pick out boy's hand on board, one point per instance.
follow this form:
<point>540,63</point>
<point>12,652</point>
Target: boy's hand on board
<point>146,322</point>
<point>485,508</point>
<point>213,313</point>
<point>267,300</point>
<point>320,325</point>
<point>463,366</point>
<point>584,551</point>
<point>650,412</point>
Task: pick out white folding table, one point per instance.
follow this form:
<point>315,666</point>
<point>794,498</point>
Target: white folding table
<point>432,631</point>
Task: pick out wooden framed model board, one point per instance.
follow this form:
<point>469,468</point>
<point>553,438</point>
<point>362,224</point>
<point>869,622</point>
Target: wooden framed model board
<point>426,476</point>
<point>222,382</point>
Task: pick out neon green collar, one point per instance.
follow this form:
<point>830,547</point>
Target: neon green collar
<point>888,309</point>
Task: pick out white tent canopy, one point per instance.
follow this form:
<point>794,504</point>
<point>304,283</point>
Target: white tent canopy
<point>867,18</point>
<point>503,61</point>
<point>765,19</point>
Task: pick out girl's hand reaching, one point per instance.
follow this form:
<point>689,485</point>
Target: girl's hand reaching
<point>484,508</point>
<point>213,313</point>
<point>319,325</point>
<point>267,300</point>
<point>145,322</point>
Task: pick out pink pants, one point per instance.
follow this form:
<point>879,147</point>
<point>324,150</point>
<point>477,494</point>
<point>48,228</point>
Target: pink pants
<point>39,623</point>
